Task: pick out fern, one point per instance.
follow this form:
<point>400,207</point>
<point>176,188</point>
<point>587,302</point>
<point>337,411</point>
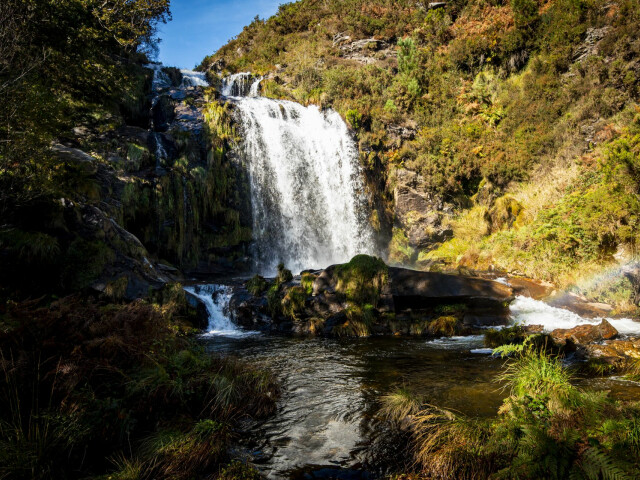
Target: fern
<point>596,464</point>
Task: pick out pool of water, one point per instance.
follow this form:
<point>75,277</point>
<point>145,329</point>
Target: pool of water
<point>325,424</point>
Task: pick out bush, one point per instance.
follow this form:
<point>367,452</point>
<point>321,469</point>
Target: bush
<point>83,381</point>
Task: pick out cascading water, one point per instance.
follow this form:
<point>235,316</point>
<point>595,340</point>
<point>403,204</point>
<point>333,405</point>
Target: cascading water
<point>216,299</point>
<point>527,311</point>
<point>309,208</point>
<point>191,78</point>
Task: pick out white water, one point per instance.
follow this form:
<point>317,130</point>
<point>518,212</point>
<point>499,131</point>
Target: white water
<point>194,79</point>
<point>527,311</point>
<point>216,299</point>
<point>190,78</point>
<point>309,209</point>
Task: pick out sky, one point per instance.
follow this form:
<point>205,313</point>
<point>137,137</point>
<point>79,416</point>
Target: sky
<point>200,27</point>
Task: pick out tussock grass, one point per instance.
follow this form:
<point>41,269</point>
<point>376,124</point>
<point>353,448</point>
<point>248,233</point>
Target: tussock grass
<point>546,428</point>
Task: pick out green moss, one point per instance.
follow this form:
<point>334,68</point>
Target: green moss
<point>443,326</point>
<point>136,156</point>
<point>362,279</point>
<point>293,302</point>
<point>360,320</point>
<point>257,285</point>
<point>400,252</point>
<point>84,261</point>
<point>274,300</point>
<point>306,280</point>
<point>284,275</point>
<point>494,338</point>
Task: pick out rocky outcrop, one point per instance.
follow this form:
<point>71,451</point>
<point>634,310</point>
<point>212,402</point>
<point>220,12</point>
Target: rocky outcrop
<point>407,302</point>
<point>583,335</point>
<point>419,212</point>
<point>617,353</point>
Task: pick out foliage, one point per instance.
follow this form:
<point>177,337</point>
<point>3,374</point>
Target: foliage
<point>257,285</point>
<point>546,428</point>
<point>306,280</point>
<point>362,279</point>
<point>83,381</point>
<point>284,274</point>
<point>507,335</point>
<point>293,302</point>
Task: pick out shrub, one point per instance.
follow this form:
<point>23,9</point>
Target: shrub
<point>307,280</point>
<point>284,275</point>
<point>546,428</point>
<point>443,326</point>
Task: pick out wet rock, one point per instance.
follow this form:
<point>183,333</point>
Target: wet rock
<point>614,352</point>
<point>415,289</point>
<point>632,273</point>
<point>163,113</point>
<point>584,334</point>
<point>580,305</point>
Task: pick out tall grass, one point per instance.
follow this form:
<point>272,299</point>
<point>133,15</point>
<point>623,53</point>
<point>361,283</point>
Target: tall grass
<point>547,428</point>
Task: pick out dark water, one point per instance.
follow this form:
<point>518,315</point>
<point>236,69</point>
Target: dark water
<point>325,425</point>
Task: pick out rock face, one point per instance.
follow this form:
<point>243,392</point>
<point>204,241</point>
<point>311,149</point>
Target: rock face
<point>419,213</point>
<point>584,334</point>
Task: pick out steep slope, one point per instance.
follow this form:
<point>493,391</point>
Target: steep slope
<point>496,135</point>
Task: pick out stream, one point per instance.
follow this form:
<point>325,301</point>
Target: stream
<point>326,426</point>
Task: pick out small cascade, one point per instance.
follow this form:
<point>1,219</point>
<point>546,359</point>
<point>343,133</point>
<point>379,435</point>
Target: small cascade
<point>216,299</point>
<point>191,78</point>
<point>160,152</point>
<point>307,194</point>
<point>160,79</point>
<point>242,84</point>
<point>527,311</point>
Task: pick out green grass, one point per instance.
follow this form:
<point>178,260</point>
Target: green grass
<point>545,428</point>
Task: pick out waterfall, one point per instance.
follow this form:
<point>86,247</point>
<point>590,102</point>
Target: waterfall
<point>216,299</point>
<point>193,79</point>
<point>239,85</point>
<point>307,195</point>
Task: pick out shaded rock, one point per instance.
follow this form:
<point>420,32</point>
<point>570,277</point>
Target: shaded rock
<point>71,154</point>
<point>584,334</point>
<point>411,289</point>
<point>163,113</point>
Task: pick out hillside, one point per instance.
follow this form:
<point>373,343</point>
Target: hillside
<point>496,135</point>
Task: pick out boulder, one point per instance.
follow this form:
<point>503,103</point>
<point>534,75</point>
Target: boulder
<point>614,352</point>
<point>584,334</point>
<point>414,288</point>
<point>483,302</point>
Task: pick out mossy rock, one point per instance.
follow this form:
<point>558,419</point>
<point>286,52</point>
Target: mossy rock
<point>362,279</point>
<point>445,326</point>
<point>293,302</point>
<point>504,212</point>
<point>257,285</point>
